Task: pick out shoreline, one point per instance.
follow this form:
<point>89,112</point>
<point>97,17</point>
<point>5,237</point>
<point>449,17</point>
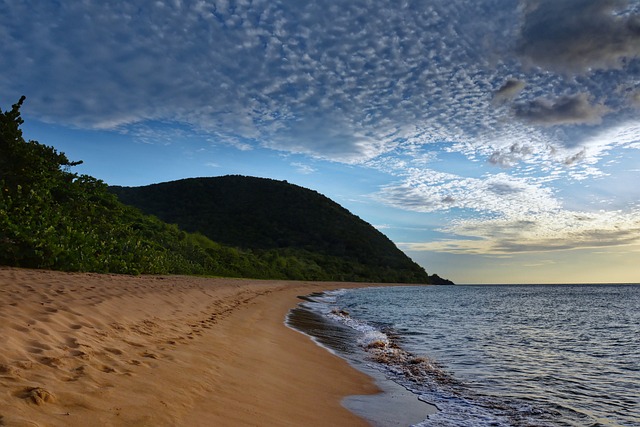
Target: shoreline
<point>393,405</point>
<point>92,349</point>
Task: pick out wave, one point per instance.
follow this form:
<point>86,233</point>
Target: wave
<point>380,347</point>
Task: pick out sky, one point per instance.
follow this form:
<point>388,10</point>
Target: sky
<point>494,141</point>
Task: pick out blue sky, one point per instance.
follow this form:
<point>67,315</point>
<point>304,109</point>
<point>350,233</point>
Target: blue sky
<point>493,141</point>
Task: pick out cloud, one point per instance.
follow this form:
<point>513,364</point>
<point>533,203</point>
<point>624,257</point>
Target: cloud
<point>505,213</point>
<point>511,156</point>
<point>543,232</point>
<point>568,110</point>
<point>579,35</point>
<point>509,90</point>
<point>575,158</point>
<point>592,149</point>
<point>303,168</point>
<point>500,194</point>
<point>346,81</point>
<point>408,89</point>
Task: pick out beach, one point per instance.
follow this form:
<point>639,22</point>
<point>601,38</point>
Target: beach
<point>494,356</point>
<point>82,349</point>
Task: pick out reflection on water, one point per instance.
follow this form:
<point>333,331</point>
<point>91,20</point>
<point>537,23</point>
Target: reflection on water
<point>520,355</point>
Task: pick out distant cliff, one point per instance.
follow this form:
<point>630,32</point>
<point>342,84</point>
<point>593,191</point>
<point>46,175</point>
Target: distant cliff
<point>276,219</point>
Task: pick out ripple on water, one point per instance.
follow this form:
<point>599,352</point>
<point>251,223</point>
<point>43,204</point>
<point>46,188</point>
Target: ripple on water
<point>512,355</point>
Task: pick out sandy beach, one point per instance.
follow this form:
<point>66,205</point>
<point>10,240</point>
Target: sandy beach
<point>110,350</point>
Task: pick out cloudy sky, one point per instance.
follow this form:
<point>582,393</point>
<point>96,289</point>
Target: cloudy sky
<point>494,141</point>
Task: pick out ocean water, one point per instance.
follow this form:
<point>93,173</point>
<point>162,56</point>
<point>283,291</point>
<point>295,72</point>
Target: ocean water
<point>525,355</point>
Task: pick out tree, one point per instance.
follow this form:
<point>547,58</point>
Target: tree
<point>28,163</point>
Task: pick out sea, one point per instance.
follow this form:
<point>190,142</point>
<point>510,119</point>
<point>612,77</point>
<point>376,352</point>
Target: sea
<point>490,355</point>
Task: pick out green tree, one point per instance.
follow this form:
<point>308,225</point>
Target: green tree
<point>53,218</point>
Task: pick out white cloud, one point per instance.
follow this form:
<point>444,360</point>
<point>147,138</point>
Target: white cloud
<point>303,168</point>
<point>295,77</point>
<point>503,213</point>
<point>430,191</point>
<point>391,86</point>
<point>542,232</point>
<point>513,155</point>
<point>344,81</point>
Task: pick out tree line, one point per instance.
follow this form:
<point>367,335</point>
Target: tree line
<point>53,218</point>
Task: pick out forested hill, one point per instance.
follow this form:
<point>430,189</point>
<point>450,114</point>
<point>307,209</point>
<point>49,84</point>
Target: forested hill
<point>53,218</point>
<point>277,219</point>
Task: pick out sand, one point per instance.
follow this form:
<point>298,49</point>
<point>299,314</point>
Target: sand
<point>111,350</point>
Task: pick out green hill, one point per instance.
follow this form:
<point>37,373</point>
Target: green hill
<point>231,226</point>
<point>275,218</point>
<point>55,219</point>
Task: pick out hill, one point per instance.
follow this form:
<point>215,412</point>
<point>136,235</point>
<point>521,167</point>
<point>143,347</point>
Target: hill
<point>277,219</point>
<point>52,218</point>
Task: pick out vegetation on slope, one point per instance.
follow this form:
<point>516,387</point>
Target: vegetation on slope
<point>278,221</point>
<point>53,218</point>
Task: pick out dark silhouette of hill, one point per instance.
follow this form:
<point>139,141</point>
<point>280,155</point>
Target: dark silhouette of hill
<point>53,218</point>
<point>277,219</point>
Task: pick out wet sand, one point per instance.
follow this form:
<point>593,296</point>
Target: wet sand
<point>111,350</point>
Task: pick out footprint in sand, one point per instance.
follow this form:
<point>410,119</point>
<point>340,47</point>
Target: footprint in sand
<point>133,343</point>
<point>20,328</point>
<point>39,345</point>
<point>107,369</point>
<point>72,342</point>
<point>206,325</point>
<point>52,362</point>
<point>150,355</point>
<point>8,372</point>
<point>112,350</point>
<point>79,353</point>
<point>24,364</point>
<point>37,395</point>
<point>78,373</point>
<point>36,347</point>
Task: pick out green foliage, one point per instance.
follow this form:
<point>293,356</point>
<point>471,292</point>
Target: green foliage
<point>55,219</point>
<point>296,233</point>
<point>52,218</point>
